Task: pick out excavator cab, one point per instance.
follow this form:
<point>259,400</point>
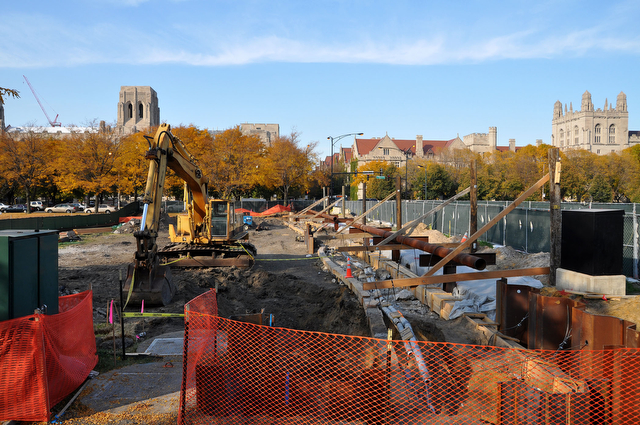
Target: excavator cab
<point>220,219</point>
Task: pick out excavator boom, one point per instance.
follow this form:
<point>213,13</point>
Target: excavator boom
<point>208,235</point>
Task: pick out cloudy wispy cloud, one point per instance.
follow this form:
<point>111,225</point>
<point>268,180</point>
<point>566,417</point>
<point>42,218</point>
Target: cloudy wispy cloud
<point>42,41</point>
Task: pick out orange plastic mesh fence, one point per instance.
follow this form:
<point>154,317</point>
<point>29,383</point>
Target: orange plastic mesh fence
<point>44,358</point>
<point>238,372</point>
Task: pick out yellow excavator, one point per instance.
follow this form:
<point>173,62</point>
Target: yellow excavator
<point>208,234</point>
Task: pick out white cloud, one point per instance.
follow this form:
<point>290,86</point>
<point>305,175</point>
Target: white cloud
<point>41,41</point>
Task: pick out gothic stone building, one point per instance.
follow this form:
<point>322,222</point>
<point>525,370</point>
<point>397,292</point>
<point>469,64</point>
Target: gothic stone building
<point>267,132</point>
<point>137,109</point>
<point>600,131</point>
<point>399,151</point>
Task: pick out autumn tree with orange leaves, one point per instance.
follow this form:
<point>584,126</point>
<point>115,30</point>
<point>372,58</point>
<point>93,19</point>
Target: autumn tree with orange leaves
<point>232,163</point>
<point>24,162</point>
<point>86,162</point>
<point>285,165</point>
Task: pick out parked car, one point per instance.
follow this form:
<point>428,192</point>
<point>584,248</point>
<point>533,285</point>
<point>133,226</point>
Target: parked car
<point>37,206</point>
<point>3,206</point>
<point>102,208</point>
<point>79,207</point>
<point>61,208</point>
<point>16,208</point>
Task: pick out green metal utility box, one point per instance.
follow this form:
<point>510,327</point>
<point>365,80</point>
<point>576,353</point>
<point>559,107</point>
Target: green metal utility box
<point>28,272</point>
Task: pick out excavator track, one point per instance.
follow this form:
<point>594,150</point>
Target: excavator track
<point>239,255</point>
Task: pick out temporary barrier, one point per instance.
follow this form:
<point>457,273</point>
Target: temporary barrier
<point>43,358</point>
<point>236,372</point>
<point>77,220</point>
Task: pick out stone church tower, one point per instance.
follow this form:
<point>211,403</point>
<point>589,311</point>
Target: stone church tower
<point>600,131</point>
<point>137,109</point>
<point>1,117</point>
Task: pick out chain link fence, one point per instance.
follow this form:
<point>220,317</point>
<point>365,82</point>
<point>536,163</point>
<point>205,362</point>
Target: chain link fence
<point>526,228</point>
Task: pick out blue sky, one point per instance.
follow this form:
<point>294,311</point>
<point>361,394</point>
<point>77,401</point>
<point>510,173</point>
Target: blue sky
<point>324,67</point>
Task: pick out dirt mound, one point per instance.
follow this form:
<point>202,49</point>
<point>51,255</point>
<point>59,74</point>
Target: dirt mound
<point>435,236</point>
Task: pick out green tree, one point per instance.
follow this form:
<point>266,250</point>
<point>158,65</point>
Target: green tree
<point>600,189</point>
<point>376,188</point>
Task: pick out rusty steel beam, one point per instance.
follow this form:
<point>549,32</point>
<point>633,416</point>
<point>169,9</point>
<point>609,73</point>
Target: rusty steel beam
<point>465,259</point>
<point>328,218</point>
<point>458,277</point>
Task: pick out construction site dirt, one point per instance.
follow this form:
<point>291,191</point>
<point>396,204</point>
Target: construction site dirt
<point>296,289</point>
<point>285,282</point>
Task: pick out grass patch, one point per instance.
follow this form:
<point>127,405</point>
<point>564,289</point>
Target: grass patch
<point>487,244</point>
<point>632,288</point>
<point>105,359</point>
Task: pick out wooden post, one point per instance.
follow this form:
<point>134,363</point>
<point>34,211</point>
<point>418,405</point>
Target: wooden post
<point>398,204</point>
<point>324,196</point>
<point>555,211</point>
<point>364,201</point>
<point>473,204</point>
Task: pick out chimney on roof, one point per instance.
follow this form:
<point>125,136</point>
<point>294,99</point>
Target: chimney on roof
<point>512,145</point>
<point>419,146</point>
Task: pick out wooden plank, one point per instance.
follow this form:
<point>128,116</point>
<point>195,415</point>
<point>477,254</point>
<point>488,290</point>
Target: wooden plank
<point>460,277</point>
<point>391,195</point>
<point>473,202</point>
<point>371,248</point>
<point>310,206</point>
<point>487,226</point>
<point>90,230</point>
<point>326,209</point>
<point>414,223</point>
<point>555,214</point>
<point>344,237</point>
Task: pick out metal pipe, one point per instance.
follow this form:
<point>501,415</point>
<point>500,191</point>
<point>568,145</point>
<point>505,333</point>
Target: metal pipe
<point>464,259</point>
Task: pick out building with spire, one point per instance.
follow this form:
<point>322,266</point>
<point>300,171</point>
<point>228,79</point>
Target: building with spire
<point>600,131</point>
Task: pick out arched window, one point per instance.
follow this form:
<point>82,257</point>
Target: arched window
<point>598,131</point>
<point>561,137</point>
<point>568,137</point>
<point>576,136</point>
<point>130,110</point>
<point>140,110</point>
<point>612,133</point>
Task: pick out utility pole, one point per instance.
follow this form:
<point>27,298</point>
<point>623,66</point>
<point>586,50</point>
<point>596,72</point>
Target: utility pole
<point>555,225</point>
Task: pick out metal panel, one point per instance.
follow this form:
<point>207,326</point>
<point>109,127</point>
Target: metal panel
<point>48,271</point>
<point>28,272</point>
<point>19,274</point>
<point>550,322</point>
<point>516,229</point>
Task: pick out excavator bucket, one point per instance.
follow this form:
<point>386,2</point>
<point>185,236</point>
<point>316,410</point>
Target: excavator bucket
<point>154,286</point>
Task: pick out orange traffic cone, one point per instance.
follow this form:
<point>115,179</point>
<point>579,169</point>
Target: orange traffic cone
<point>349,275</point>
<point>465,237</point>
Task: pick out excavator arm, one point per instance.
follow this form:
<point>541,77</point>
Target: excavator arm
<point>146,278</point>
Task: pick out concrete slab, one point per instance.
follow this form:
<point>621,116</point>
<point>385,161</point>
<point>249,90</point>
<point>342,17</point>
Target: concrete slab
<point>156,384</point>
<point>574,281</point>
<point>166,347</point>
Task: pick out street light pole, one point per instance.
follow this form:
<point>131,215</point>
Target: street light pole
<point>425,180</point>
<point>333,141</point>
<point>407,155</point>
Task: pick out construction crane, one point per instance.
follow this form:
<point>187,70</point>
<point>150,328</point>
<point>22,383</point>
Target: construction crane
<point>53,123</point>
